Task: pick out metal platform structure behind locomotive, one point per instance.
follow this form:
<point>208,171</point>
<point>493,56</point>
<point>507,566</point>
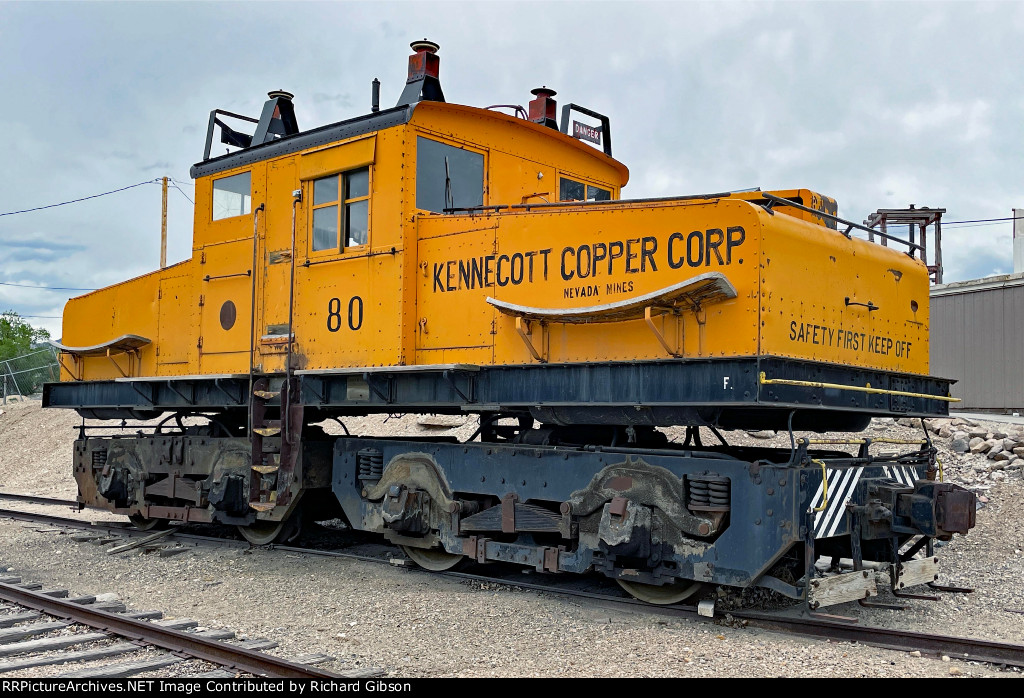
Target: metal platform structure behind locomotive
<point>440,258</point>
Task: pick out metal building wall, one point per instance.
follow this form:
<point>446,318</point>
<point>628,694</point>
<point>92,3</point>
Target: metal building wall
<point>977,337</point>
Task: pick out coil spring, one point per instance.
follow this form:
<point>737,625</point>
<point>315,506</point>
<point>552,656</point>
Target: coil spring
<point>707,492</point>
<point>99,459</point>
<point>370,464</point>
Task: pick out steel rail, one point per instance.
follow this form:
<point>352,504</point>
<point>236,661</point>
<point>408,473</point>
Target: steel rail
<point>967,649</point>
<point>37,499</point>
<point>114,527</point>
<point>232,656</point>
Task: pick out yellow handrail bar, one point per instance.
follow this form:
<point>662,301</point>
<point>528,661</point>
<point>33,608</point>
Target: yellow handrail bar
<point>764,380</point>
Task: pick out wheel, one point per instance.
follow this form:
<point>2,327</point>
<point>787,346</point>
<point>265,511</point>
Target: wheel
<point>267,532</point>
<point>145,524</point>
<point>433,559</point>
<point>262,532</point>
<point>677,591</point>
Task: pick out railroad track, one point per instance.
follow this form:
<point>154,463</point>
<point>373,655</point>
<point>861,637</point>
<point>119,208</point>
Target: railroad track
<point>102,630</point>
<point>966,649</point>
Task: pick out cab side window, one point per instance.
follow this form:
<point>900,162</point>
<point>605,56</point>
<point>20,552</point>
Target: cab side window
<point>447,177</point>
<point>571,190</point>
<point>341,210</point>
<point>232,196</point>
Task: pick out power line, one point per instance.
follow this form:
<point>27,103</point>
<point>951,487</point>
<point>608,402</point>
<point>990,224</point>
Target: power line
<point>969,225</point>
<point>986,220</point>
<point>84,198</point>
<point>46,288</point>
<point>175,185</point>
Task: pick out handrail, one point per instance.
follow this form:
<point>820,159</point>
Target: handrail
<point>850,225</point>
<point>764,380</point>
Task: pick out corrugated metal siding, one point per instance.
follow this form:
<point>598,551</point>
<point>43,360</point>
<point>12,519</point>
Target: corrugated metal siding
<point>977,337</point>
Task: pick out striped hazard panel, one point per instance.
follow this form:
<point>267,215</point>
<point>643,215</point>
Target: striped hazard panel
<point>841,484</point>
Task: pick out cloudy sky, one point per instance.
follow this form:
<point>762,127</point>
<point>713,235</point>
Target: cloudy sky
<point>878,105</point>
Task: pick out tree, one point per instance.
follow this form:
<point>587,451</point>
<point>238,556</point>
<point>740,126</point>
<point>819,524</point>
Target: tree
<point>17,337</point>
<point>25,366</point>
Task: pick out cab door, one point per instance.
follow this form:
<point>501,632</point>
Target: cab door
<point>224,276</point>
<point>275,264</point>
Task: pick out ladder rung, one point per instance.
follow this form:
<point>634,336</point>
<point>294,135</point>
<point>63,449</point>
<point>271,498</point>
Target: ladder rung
<point>266,394</point>
<point>265,469</point>
<point>267,431</point>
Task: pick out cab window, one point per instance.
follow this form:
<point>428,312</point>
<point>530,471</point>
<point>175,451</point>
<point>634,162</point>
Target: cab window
<point>232,196</point>
<point>571,190</point>
<point>341,210</point>
<point>447,177</point>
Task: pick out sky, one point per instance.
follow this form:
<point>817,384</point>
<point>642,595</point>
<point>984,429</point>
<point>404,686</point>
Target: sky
<point>879,105</point>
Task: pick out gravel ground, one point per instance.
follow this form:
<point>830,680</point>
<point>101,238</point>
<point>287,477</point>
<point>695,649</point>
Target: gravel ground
<point>414,624</point>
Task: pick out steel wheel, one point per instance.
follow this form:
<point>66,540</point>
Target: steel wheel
<point>433,559</point>
<point>677,591</point>
<point>262,532</point>
<point>145,524</point>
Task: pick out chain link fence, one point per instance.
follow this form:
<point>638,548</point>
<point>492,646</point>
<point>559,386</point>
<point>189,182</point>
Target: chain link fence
<point>24,375</point>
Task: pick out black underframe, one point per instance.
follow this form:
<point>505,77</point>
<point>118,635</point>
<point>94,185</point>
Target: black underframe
<point>639,385</point>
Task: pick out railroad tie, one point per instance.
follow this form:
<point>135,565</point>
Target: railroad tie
<point>50,643</point>
<point>140,542</point>
<point>69,657</point>
<point>217,634</point>
<point>55,593</point>
<point>177,623</point>
<point>258,645</point>
<point>143,615</point>
<point>216,674</point>
<point>15,618</point>
<point>120,671</point>
<point>108,606</point>
<point>9,635</point>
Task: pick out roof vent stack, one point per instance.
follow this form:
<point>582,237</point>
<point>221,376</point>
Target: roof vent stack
<point>543,108</point>
<point>277,119</point>
<point>423,83</point>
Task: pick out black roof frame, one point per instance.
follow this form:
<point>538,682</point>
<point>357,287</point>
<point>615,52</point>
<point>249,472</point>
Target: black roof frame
<point>323,135</point>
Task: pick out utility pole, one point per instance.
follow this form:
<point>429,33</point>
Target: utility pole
<point>163,228</point>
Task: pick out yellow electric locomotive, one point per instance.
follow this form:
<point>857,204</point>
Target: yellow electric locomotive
<point>440,258</point>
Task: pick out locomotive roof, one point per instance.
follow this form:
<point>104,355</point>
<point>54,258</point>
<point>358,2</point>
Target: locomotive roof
<point>323,135</point>
<point>369,123</point>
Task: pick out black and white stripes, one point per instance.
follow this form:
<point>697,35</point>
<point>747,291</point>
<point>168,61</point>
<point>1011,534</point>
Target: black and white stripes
<point>841,484</point>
